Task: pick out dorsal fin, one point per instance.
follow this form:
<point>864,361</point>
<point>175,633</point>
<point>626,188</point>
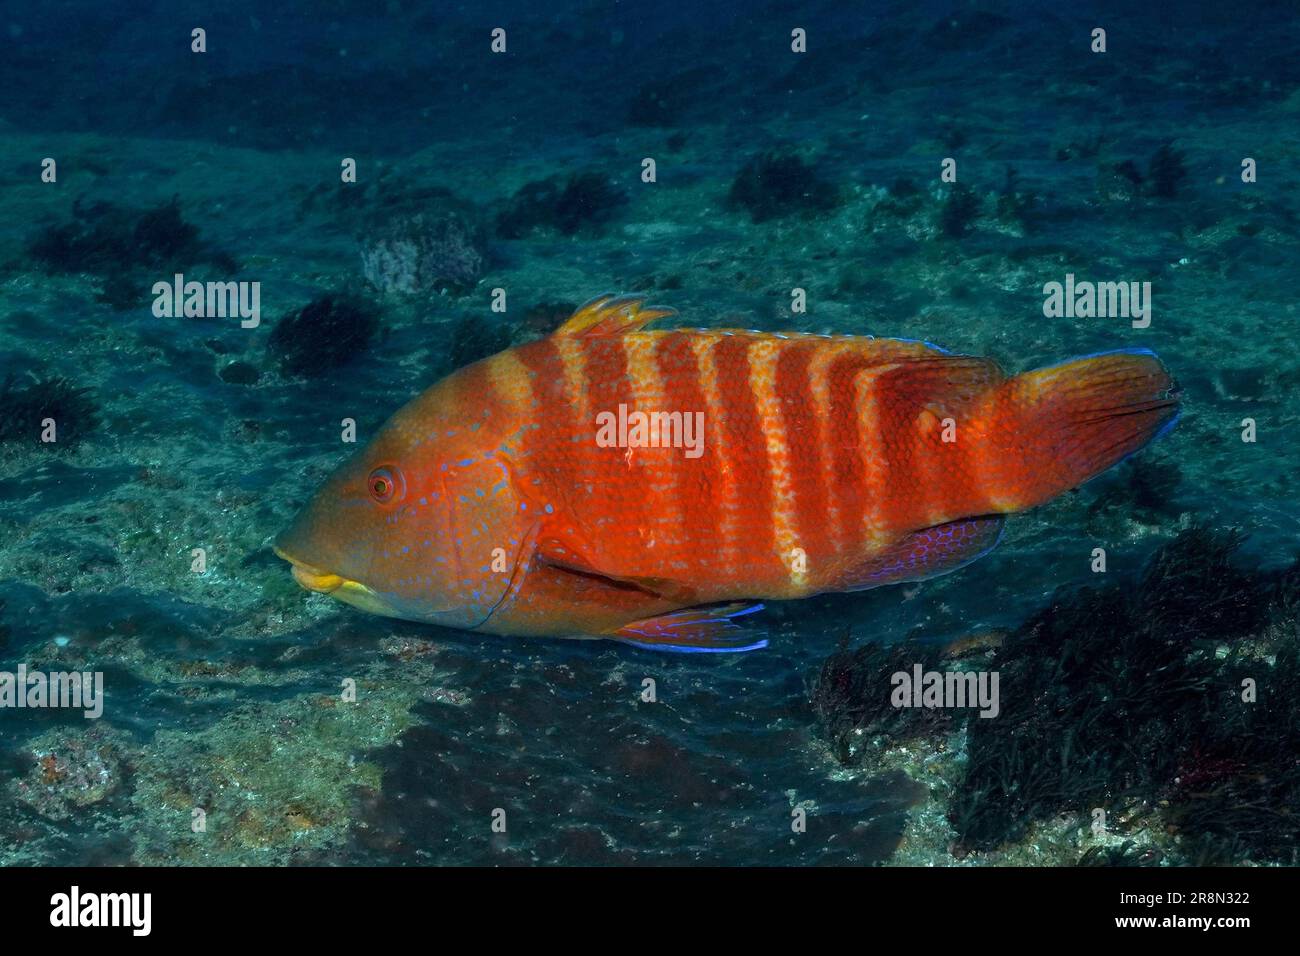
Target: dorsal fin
<point>612,315</point>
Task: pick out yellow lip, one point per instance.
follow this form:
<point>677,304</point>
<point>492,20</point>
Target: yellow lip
<point>341,588</point>
<point>310,578</point>
<point>324,583</point>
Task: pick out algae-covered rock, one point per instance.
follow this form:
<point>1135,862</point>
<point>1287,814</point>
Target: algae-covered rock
<point>270,781</point>
<point>70,769</point>
<point>423,254</point>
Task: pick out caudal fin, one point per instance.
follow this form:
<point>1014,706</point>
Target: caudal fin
<point>1050,430</point>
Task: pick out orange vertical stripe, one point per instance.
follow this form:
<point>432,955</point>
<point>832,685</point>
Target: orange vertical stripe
<point>546,378</point>
<point>692,502</point>
<point>789,548</point>
<point>747,454</point>
<point>886,462</point>
<point>848,480</point>
<point>827,352</point>
<point>804,427</point>
<point>720,486</point>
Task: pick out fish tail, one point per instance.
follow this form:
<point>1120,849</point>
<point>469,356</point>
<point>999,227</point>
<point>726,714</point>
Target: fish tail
<point>1050,430</point>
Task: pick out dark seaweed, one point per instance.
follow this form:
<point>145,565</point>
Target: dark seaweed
<point>1128,697</point>
<point>780,183</point>
<point>161,235</point>
<point>1166,172</point>
<point>1144,487</point>
<point>1117,697</point>
<point>121,292</point>
<point>903,187</point>
<point>1126,854</point>
<point>23,406</point>
<point>582,202</point>
<point>1015,203</point>
<point>106,239</point>
<point>852,697</point>
<point>958,212</point>
<point>1119,182</point>
<point>324,334</point>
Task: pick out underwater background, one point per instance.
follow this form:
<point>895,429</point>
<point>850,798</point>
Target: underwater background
<point>522,170</point>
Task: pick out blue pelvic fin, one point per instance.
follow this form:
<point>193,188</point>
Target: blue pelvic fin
<point>696,630</point>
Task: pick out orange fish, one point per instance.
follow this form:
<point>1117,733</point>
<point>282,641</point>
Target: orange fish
<point>649,486</point>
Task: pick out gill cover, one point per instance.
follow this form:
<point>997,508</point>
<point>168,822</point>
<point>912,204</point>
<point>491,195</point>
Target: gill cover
<point>423,524</point>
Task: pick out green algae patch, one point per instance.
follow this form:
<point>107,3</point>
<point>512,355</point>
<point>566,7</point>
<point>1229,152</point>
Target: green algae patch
<point>270,784</point>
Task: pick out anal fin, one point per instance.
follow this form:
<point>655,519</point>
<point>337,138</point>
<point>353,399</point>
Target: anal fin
<point>927,553</point>
<point>696,630</point>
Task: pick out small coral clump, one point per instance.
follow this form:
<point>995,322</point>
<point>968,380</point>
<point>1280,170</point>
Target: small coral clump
<point>419,254</point>
<point>128,249</point>
<point>324,334</point>
<point>852,697</point>
<point>1119,182</point>
<point>106,239</point>
<point>25,407</point>
<point>1015,203</point>
<point>68,772</point>
<point>1166,172</point>
<point>582,202</point>
<point>959,211</point>
<point>239,373</point>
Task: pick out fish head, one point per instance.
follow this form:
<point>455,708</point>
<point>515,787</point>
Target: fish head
<point>422,524</point>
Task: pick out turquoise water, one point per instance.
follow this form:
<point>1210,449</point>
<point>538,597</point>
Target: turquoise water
<point>775,170</point>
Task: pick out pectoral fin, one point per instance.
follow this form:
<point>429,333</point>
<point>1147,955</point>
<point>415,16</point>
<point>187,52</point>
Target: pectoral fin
<point>570,556</point>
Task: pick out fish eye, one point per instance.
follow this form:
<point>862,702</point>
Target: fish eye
<point>385,484</point>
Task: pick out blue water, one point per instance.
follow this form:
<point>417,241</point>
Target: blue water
<point>225,690</point>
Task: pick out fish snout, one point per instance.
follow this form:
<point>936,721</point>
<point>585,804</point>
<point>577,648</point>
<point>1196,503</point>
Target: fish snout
<point>310,578</point>
<point>324,583</point>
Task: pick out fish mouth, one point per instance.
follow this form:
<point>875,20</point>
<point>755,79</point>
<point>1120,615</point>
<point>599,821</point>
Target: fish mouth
<point>336,586</point>
<point>311,578</point>
<point>324,583</point>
